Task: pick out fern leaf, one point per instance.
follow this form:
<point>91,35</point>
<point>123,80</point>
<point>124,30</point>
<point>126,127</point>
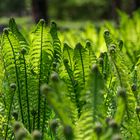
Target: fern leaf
<point>68,54</point>
<point>92,56</point>
<point>24,48</point>
<point>81,71</point>
<point>10,50</point>
<point>56,96</point>
<point>96,84</point>
<point>14,29</point>
<point>81,67</point>
<point>56,43</point>
<point>121,68</point>
<point>94,110</point>
<point>41,57</point>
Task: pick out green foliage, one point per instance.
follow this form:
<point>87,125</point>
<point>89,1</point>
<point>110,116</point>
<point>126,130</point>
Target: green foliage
<point>65,87</point>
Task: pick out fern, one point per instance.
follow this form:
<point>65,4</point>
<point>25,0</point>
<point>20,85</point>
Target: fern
<point>94,110</point>
<point>68,74</point>
<point>56,43</point>
<point>23,69</point>
<point>81,70</point>
<point>91,54</point>
<point>10,55</point>
<point>116,57</point>
<point>70,92</point>
<point>14,29</point>
<point>41,57</point>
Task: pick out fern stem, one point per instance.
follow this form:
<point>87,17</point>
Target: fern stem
<point>70,76</point>
<point>33,122</point>
<point>82,66</point>
<point>69,57</point>
<point>9,115</point>
<point>138,117</point>
<point>27,98</point>
<point>117,72</point>
<point>6,75</point>
<point>40,72</point>
<point>95,97</point>
<point>44,118</point>
<point>18,84</point>
<point>74,88</point>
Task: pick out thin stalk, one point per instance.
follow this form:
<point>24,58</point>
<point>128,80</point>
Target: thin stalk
<point>9,115</point>
<point>69,57</point>
<point>40,74</point>
<point>44,118</point>
<point>82,65</point>
<point>120,80</point>
<point>27,97</point>
<point>18,84</point>
<point>74,88</point>
<point>33,122</point>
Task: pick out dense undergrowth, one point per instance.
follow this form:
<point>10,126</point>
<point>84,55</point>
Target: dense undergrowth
<point>71,85</point>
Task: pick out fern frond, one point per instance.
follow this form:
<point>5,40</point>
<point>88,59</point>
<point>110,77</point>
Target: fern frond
<point>94,110</point>
<point>14,29</point>
<point>56,96</point>
<point>10,52</point>
<point>68,74</point>
<point>81,65</point>
<point>56,43</point>
<point>96,97</point>
<point>23,58</point>
<point>81,71</point>
<point>41,58</point>
<point>121,68</point>
<point>24,71</point>
<point>92,56</point>
<point>84,127</point>
<point>108,39</point>
<point>68,54</point>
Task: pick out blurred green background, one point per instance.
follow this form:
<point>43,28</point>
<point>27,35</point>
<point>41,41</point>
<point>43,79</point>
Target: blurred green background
<point>75,10</point>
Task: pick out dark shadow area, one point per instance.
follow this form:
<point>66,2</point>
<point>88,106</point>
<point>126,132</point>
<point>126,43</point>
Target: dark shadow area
<point>67,9</point>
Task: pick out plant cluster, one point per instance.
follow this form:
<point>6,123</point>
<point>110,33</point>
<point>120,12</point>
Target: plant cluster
<point>50,90</point>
